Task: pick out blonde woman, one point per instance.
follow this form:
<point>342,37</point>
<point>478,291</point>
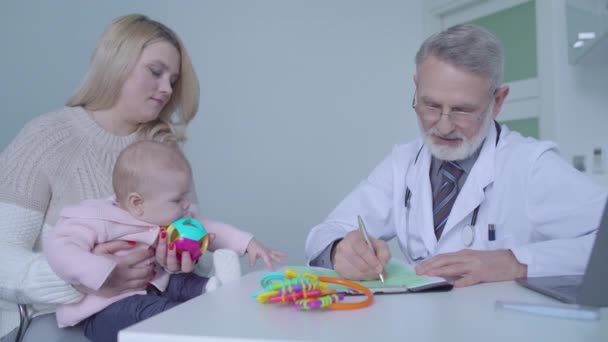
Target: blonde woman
<point>139,85</point>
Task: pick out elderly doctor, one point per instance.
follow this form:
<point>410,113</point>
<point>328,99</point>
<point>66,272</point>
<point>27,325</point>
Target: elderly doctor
<point>469,199</point>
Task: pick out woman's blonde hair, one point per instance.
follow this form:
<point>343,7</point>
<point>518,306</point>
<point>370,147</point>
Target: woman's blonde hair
<point>117,52</point>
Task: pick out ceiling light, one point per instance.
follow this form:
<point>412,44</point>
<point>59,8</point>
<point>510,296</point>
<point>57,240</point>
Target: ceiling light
<point>586,35</point>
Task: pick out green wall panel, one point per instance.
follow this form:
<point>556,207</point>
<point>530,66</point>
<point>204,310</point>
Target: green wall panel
<point>527,127</point>
<point>516,28</point>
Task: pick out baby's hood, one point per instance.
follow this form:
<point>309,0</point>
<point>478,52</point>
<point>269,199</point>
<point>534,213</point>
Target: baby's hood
<point>102,209</point>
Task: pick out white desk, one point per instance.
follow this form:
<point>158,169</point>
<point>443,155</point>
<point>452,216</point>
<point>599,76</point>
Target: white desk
<point>468,314</point>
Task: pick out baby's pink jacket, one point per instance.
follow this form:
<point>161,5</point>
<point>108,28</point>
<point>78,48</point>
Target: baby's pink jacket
<point>80,228</point>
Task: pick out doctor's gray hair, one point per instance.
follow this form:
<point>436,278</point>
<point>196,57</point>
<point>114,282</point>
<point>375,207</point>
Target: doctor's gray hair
<point>470,47</point>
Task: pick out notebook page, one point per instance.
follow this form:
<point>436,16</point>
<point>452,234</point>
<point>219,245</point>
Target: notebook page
<point>399,278</point>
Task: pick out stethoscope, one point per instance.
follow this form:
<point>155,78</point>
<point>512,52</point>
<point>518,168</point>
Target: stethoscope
<point>467,234</point>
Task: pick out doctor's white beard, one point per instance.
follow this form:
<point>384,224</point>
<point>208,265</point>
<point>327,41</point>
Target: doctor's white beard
<point>466,148</point>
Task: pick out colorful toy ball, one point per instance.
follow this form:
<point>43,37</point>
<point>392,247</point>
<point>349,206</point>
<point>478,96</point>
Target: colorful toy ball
<point>189,235</point>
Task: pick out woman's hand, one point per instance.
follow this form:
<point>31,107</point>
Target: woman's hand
<point>133,270</point>
<point>256,251</point>
<point>167,258</point>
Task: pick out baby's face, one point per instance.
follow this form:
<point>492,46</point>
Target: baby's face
<point>167,197</point>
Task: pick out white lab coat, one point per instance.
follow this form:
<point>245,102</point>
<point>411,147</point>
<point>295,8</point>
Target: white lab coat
<point>543,209</point>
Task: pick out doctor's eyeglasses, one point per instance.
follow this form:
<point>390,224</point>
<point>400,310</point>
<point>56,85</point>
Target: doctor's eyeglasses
<point>432,112</point>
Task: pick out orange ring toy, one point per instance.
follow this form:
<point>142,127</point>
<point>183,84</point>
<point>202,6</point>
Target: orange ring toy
<point>350,284</point>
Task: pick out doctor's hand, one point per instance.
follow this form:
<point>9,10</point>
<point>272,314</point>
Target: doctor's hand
<point>474,266</point>
<point>352,258</point>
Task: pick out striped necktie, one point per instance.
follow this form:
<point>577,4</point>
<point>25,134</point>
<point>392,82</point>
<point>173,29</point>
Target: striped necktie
<point>446,196</point>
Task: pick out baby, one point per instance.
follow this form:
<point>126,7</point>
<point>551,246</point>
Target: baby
<point>152,184</point>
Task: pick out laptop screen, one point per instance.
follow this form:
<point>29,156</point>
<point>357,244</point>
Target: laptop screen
<point>595,282</point>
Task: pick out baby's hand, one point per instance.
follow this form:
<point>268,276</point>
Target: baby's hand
<point>256,250</point>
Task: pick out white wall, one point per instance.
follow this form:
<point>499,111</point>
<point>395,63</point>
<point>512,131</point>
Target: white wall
<point>580,93</point>
<point>300,99</point>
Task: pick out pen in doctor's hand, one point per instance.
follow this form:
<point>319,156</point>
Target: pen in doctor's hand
<point>363,232</point>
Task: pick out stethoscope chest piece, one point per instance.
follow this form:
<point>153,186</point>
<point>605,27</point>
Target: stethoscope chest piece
<point>468,235</point>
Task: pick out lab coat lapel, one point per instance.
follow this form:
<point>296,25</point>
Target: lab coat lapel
<point>472,193</point>
<point>421,203</point>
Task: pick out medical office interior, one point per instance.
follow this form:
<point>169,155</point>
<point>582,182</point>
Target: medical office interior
<point>301,99</point>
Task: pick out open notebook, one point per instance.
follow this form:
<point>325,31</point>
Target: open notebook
<point>400,278</point>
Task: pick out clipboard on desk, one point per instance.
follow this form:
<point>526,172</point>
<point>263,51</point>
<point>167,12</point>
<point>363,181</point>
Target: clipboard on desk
<point>400,278</point>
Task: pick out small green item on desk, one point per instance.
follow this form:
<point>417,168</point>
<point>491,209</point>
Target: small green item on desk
<point>400,278</point>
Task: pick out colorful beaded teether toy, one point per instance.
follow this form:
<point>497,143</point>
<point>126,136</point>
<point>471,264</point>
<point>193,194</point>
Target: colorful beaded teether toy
<point>308,291</point>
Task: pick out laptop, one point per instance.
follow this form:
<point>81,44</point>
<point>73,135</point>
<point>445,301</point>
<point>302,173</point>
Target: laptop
<point>590,289</point>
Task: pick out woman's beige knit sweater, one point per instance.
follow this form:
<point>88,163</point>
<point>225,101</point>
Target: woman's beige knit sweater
<point>58,159</point>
